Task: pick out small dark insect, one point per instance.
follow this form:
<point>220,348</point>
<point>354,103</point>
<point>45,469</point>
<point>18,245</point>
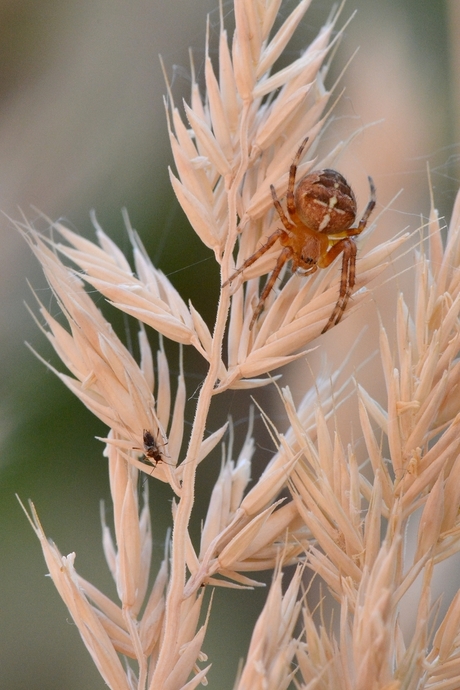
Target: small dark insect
<point>318,228</point>
<point>152,452</point>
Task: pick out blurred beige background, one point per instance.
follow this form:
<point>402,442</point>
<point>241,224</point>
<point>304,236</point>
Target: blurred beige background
<point>82,126</point>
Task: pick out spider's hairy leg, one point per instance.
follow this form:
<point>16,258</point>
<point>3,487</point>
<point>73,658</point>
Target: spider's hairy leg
<point>285,255</point>
<point>349,249</point>
<point>290,203</point>
<point>253,258</point>
<point>370,206</point>
<point>347,280</point>
<point>367,211</point>
<point>290,227</point>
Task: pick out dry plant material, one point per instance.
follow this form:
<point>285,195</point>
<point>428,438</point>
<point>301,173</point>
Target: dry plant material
<point>343,520</point>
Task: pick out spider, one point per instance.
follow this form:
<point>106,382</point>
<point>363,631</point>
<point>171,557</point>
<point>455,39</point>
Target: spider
<point>321,210</point>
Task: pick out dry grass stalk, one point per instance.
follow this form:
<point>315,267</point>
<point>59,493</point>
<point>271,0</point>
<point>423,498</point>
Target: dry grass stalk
<point>240,139</point>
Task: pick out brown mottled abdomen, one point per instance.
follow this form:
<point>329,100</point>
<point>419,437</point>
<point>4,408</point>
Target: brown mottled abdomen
<point>325,202</point>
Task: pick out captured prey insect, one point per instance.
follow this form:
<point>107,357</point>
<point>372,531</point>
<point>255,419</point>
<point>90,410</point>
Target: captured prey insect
<point>322,209</point>
<point>152,454</point>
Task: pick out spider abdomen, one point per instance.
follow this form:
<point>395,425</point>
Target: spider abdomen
<point>325,201</point>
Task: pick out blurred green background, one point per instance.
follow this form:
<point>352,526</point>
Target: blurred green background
<point>82,126</point>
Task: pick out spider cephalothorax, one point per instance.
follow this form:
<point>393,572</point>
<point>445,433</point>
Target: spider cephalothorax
<point>322,209</point>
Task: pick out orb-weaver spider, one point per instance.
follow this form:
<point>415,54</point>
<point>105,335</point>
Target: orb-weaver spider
<point>321,210</point>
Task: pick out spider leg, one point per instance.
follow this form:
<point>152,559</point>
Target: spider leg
<point>349,249</point>
<point>347,280</point>
<point>290,203</point>
<point>283,218</point>
<point>367,211</point>
<point>253,258</point>
<point>285,255</point>
<point>370,206</point>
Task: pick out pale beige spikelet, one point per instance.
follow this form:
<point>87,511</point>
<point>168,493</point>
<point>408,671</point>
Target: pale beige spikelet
<point>422,417</point>
<point>150,297</point>
<point>246,533</point>
<point>94,634</point>
<point>294,318</point>
<point>239,142</point>
<point>107,378</point>
<point>254,532</point>
<point>369,576</point>
<point>134,626</point>
<point>320,662</point>
<point>270,661</point>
